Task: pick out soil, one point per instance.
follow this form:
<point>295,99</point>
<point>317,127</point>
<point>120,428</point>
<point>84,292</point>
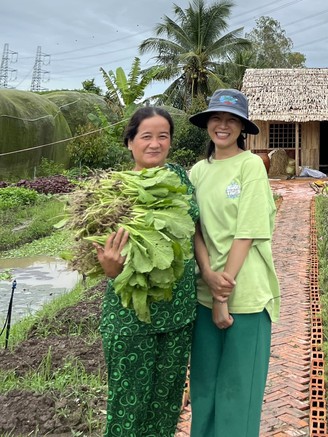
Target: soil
<point>53,413</point>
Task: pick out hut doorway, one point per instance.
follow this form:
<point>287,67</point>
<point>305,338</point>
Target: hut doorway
<point>323,163</point>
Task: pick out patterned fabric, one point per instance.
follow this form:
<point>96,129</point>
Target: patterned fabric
<point>146,380</point>
<point>147,363</point>
<point>165,316</point>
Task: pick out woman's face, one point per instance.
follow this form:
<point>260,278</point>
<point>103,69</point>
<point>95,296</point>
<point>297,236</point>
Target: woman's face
<point>151,144</point>
<point>224,129</point>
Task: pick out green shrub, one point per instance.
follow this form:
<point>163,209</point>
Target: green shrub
<point>185,157</point>
<point>48,167</point>
<point>15,197</point>
<point>186,135</point>
<point>97,150</point>
<point>88,149</point>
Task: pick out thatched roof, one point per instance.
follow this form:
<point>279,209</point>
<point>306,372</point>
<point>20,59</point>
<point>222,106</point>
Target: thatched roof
<point>287,94</point>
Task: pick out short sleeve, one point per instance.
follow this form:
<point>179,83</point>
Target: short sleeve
<point>256,203</point>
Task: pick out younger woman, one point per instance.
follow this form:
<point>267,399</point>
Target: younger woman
<point>238,292</point>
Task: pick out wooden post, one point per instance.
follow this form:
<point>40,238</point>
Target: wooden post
<point>297,146</point>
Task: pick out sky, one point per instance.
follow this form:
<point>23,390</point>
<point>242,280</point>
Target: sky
<point>76,37</point>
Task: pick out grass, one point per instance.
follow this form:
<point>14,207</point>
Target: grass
<point>321,206</point>
<point>80,388</point>
<point>27,224</point>
<point>20,330</point>
<point>43,380</point>
<point>51,245</point>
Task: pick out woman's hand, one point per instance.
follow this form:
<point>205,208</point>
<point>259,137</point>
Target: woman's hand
<point>220,315</point>
<point>109,256</point>
<point>221,284</point>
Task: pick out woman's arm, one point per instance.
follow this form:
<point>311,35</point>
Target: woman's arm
<point>237,255</point>
<point>221,284</point>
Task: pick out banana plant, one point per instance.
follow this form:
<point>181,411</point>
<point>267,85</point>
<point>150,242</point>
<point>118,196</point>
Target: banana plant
<point>125,91</point>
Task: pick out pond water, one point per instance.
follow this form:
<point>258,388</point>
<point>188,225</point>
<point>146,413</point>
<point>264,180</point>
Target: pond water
<point>38,280</point>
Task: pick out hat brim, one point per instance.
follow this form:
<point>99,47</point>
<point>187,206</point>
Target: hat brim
<point>201,119</point>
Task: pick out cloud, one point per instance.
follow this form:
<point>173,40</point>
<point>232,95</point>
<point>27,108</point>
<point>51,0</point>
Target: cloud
<point>81,36</point>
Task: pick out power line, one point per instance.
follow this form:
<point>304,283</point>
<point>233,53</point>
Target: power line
<point>266,12</point>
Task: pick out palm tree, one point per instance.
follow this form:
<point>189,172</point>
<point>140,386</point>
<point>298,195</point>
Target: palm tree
<point>233,69</point>
<point>194,47</point>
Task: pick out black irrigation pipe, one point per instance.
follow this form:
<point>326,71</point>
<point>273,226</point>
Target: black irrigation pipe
<point>8,317</point>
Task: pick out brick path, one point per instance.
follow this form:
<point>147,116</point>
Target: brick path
<point>286,403</point>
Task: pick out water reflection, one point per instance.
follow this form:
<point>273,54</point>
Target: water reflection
<point>39,279</point>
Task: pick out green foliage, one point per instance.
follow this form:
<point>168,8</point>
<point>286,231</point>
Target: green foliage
<point>52,245</point>
<point>189,137</point>
<point>321,209</point>
<point>118,156</point>
<point>97,146</point>
<point>15,197</point>
<point>195,45</point>
<point>233,69</point>
<point>125,91</point>
<point>6,275</point>
<point>89,147</point>
<point>76,173</point>
<point>322,231</point>
<point>189,141</point>
<point>90,86</point>
<point>48,167</point>
<point>152,205</point>
<point>185,157</point>
<point>272,47</point>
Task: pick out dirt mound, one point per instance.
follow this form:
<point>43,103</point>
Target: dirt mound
<point>52,413</point>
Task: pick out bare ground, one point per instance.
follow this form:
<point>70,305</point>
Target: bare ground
<point>52,413</point>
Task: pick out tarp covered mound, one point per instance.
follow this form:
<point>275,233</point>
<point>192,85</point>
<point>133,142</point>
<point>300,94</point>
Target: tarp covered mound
<point>76,106</point>
<point>30,121</point>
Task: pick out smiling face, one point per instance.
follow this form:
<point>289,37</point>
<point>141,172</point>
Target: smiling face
<point>224,129</point>
<point>151,144</point>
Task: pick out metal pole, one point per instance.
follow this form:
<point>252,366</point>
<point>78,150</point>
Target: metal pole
<point>9,312</point>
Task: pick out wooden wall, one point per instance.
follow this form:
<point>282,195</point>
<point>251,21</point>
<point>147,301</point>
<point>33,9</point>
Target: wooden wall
<point>310,142</point>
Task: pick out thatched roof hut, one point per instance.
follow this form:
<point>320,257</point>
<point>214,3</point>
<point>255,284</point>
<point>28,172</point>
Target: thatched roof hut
<point>293,101</point>
<point>287,94</point>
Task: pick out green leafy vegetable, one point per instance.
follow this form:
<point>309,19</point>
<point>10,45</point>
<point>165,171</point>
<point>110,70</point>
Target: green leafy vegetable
<point>153,206</point>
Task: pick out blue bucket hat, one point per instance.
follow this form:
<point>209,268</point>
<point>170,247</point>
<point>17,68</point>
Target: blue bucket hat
<point>226,100</point>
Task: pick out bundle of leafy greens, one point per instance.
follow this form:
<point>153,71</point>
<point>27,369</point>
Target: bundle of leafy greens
<point>152,205</point>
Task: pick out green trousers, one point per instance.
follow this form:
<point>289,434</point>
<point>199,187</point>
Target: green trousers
<point>146,380</point>
<point>228,374</point>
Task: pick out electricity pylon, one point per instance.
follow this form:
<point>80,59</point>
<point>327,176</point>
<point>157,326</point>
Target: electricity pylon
<point>39,75</point>
<point>8,57</point>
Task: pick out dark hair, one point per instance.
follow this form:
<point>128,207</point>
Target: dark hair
<point>211,146</point>
<point>139,116</point>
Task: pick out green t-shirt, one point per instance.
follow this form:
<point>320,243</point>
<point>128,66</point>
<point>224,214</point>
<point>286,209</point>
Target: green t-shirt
<point>236,202</point>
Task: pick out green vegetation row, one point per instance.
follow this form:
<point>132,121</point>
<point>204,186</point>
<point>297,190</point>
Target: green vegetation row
<point>321,206</point>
